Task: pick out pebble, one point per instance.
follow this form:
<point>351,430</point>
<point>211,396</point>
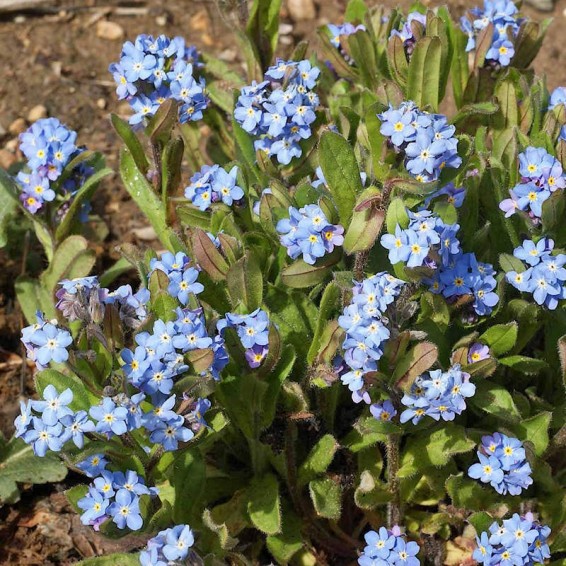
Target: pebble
<point>109,30</point>
<point>300,10</point>
<point>7,158</point>
<point>161,20</point>
<point>101,103</point>
<point>146,234</point>
<point>17,126</point>
<point>12,145</point>
<point>36,113</point>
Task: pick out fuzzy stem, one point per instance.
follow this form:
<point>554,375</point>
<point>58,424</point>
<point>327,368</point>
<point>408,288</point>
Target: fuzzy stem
<point>394,506</point>
<point>360,262</point>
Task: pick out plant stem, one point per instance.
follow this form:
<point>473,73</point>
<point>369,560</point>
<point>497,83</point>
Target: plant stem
<point>394,506</point>
<point>360,261</point>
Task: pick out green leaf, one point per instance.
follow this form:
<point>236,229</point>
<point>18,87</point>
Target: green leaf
<point>329,304</point>
<point>300,274</point>
<point>434,448</point>
<point>363,230</point>
<point>318,460</point>
<point>82,399</point>
<point>500,338</point>
<point>414,363</point>
<point>481,521</point>
<point>9,197</point>
<point>116,559</point>
<point>425,71</point>
<point>34,297</point>
<point>245,282</point>
<point>18,464</point>
<point>263,29</point>
<point>326,496</point>
<point>468,494</point>
<point>81,196</point>
<point>208,256</point>
<point>477,109</point>
<point>64,261</point>
<point>529,366</point>
<point>509,262</point>
<point>535,430</point>
<point>144,196</point>
<point>162,122</point>
<point>356,11</point>
<point>342,174</point>
<point>132,142</point>
<point>285,545</point>
<point>396,215</point>
<point>397,59</point>
<point>495,400</point>
<point>264,505</point>
<point>188,477</point>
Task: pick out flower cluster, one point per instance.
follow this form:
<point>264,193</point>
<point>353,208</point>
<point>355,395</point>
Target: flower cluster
<point>438,394</point>
<point>50,423</point>
<point>280,110</point>
<point>116,496</point>
<point>214,184</point>
<point>253,332</point>
<point>502,464</point>
<point>308,232</point>
<point>388,548</point>
<point>521,541</point>
<point>49,146</point>
<point>429,242</point>
<point>541,175</point>
<point>545,276</point>
<point>427,140</point>
<point>168,546</point>
<point>502,15</point>
<point>46,342</point>
<point>406,33</point>
<point>182,276</point>
<point>152,70</point>
<point>366,330</point>
<point>85,300</point>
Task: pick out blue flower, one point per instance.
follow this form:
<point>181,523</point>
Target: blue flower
<point>94,505</point>
<point>488,470</point>
<point>185,283</point>
<point>169,433</point>
<point>111,418</point>
<point>383,411</point>
<point>54,406</point>
<point>178,540</point>
<point>125,511</point>
<point>76,425</point>
<point>44,437</point>
<point>93,465</point>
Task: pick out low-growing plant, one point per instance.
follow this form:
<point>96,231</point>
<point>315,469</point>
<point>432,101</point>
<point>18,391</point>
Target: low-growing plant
<point>339,341</point>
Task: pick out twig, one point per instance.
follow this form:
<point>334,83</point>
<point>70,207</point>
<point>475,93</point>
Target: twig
<point>394,506</point>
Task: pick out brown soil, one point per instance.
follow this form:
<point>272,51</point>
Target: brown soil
<point>54,57</point>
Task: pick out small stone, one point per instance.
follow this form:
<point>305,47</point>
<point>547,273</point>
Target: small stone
<point>161,20</point>
<point>12,145</point>
<point>285,29</point>
<point>229,55</point>
<point>300,10</point>
<point>36,113</point>
<point>109,30</point>
<point>146,234</point>
<point>17,126</point>
<point>7,158</point>
<point>101,103</point>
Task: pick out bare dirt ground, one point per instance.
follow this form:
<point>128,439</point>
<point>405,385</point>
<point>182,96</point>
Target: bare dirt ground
<point>57,56</point>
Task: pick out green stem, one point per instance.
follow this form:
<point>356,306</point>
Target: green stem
<point>360,262</point>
